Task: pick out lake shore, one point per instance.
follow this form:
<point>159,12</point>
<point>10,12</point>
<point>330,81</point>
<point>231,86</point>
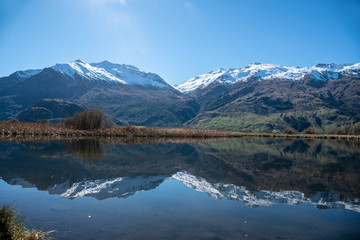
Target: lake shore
<point>28,131</point>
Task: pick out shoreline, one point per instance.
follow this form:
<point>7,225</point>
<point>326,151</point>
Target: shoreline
<point>17,131</point>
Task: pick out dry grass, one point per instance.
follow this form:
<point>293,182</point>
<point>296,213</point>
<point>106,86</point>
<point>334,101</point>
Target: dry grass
<point>12,227</point>
<point>13,130</point>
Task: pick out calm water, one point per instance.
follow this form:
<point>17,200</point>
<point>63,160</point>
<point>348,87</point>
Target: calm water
<point>237,189</point>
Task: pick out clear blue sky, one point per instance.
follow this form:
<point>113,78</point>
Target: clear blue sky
<point>178,39</point>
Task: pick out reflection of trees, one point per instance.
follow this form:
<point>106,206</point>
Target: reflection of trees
<point>89,149</point>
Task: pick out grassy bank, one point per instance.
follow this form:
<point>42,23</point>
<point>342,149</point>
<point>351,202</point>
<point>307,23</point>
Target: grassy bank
<point>12,227</point>
<point>9,130</point>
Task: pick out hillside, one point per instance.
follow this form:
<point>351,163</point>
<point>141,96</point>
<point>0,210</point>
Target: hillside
<point>264,97</point>
<point>51,109</point>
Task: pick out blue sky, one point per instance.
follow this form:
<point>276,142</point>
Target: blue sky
<point>178,39</point>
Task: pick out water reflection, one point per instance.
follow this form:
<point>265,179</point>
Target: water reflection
<point>256,171</point>
<point>89,149</point>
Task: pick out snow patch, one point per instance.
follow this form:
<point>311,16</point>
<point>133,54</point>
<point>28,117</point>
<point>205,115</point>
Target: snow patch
<point>27,73</point>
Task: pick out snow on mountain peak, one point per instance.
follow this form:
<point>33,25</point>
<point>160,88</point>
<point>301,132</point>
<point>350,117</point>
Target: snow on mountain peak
<point>111,72</point>
<point>268,71</point>
<point>27,73</point>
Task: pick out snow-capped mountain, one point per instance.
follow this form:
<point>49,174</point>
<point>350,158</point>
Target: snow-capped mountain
<point>130,95</point>
<point>105,71</point>
<point>269,71</point>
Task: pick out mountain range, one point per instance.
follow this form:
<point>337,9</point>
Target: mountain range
<point>258,97</point>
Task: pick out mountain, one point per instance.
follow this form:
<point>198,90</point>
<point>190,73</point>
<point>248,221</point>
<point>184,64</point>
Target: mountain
<point>267,97</point>
<point>258,97</point>
<point>320,72</point>
<point>127,93</point>
<point>50,109</point>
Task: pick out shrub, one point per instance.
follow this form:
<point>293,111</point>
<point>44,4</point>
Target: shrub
<point>60,125</point>
<point>14,121</point>
<point>43,122</point>
<point>356,128</point>
<point>90,119</point>
<point>350,129</point>
<point>344,130</point>
<point>309,130</point>
<point>332,130</point>
<point>289,130</point>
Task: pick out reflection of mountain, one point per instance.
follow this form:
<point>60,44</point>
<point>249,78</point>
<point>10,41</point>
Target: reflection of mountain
<point>263,197</point>
<point>107,188</point>
<point>269,170</point>
<point>126,187</point>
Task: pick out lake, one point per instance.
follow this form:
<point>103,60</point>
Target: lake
<point>247,188</point>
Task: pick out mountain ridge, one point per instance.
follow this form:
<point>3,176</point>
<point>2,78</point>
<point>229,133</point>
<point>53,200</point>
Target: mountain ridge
<point>255,99</point>
<point>105,70</point>
<point>268,71</point>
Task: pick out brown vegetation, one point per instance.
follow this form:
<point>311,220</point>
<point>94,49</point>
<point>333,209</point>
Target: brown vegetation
<point>95,123</point>
<point>351,129</point>
<point>90,119</point>
<point>38,129</point>
<point>289,130</point>
<point>11,227</point>
<point>309,130</point>
<point>31,130</point>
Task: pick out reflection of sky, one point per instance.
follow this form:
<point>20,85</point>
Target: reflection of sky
<point>224,189</point>
<point>124,187</point>
<point>172,209</point>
